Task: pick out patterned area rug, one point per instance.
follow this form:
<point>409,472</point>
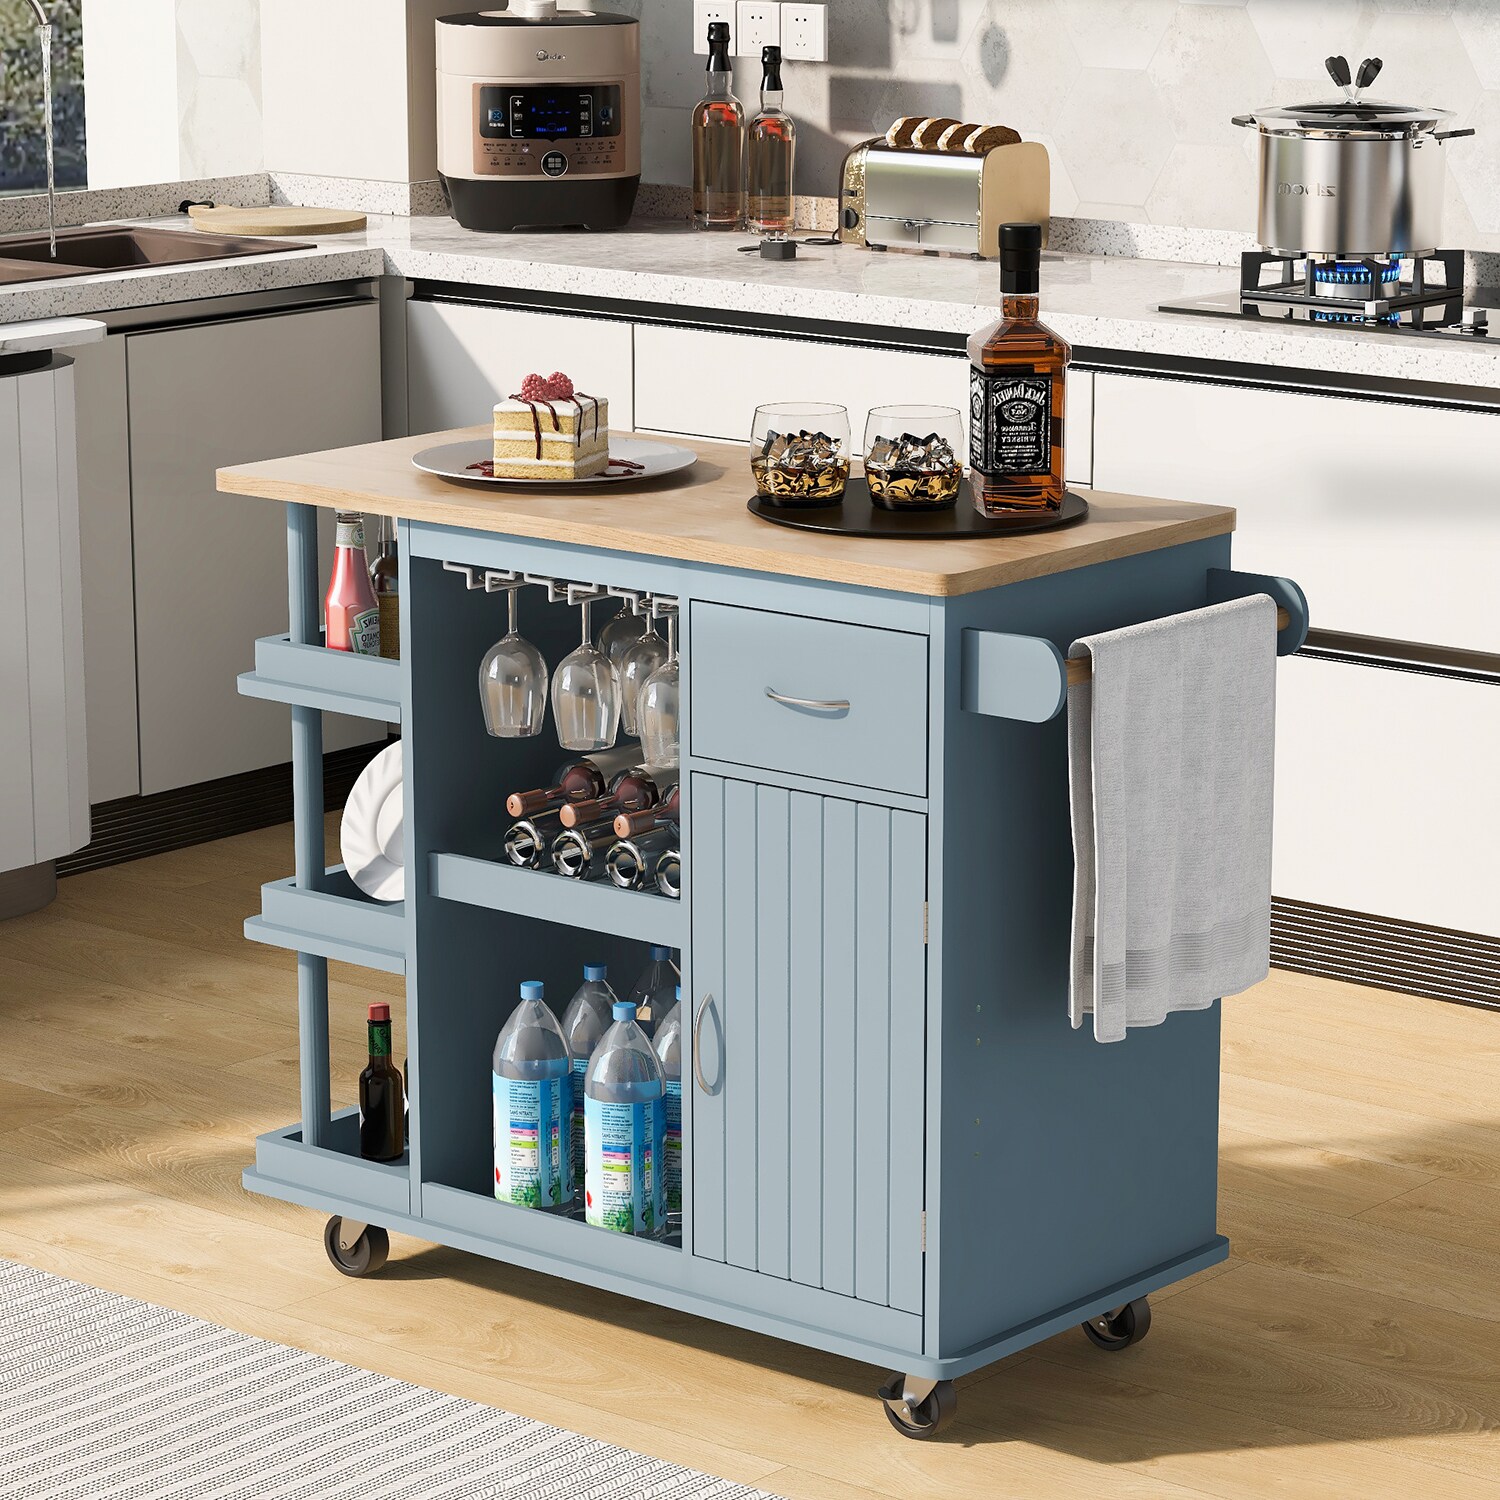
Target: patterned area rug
<point>106,1398</point>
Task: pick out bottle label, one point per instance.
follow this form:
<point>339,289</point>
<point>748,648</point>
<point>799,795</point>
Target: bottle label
<point>390,626</point>
<point>671,1155</point>
<point>1010,423</point>
<point>350,533</point>
<point>622,1149</point>
<point>364,632</point>
<point>531,1161</point>
<point>580,1069</point>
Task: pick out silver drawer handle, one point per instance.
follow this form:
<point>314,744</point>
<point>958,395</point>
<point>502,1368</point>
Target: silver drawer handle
<point>828,705</point>
<point>697,1049</point>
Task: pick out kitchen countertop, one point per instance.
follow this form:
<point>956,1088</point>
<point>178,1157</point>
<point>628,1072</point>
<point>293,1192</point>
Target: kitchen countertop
<point>1100,302</point>
<point>700,516</point>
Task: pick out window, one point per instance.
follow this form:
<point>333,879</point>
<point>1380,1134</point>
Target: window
<point>23,150</point>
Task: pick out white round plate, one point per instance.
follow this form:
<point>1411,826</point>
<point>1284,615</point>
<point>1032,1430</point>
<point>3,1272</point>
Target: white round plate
<point>455,461</point>
<point>371,835</point>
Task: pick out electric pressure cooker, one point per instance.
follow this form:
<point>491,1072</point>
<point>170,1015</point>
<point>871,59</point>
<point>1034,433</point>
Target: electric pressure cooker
<point>1353,177</point>
<point>539,116</point>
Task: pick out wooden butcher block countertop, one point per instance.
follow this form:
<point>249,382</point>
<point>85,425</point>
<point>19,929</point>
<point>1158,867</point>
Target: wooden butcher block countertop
<point>699,515</point>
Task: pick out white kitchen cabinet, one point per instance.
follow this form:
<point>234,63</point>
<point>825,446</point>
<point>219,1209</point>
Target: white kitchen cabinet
<point>210,569</point>
<point>1385,513</point>
<point>1386,801</point>
<point>462,357</point>
<point>108,576</point>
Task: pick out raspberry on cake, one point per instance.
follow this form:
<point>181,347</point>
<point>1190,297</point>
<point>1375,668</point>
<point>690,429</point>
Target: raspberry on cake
<point>549,430</point>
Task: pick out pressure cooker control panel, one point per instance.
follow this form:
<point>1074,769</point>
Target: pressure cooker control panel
<point>547,130</point>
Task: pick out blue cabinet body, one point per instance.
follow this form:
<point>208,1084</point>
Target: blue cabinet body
<point>896,1148</point>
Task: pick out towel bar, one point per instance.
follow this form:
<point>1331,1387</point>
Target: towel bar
<point>1026,677</point>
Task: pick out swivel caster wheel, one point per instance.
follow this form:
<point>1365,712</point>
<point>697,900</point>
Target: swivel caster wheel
<point>918,1408</point>
<point>355,1249</point>
<point>1121,1328</point>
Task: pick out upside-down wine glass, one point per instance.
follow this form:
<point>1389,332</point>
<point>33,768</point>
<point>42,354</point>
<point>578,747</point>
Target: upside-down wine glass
<point>660,719</point>
<point>640,661</point>
<point>513,684</point>
<point>620,634</point>
<point>586,696</point>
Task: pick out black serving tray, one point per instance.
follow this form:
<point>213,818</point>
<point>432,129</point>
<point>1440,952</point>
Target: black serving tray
<point>857,515</point>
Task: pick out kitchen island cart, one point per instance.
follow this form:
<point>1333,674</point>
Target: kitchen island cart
<point>895,1146</point>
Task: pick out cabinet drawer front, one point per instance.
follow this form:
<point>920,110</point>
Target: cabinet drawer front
<point>740,657</point>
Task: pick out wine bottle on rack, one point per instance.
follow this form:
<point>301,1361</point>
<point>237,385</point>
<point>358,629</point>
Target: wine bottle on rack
<point>528,841</point>
<point>666,813</point>
<point>630,791</point>
<point>588,776</point>
<point>631,863</point>
<point>382,1106</point>
<point>669,874</point>
<point>579,853</point>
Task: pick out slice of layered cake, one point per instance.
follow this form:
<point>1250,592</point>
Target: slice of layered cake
<point>550,431</point>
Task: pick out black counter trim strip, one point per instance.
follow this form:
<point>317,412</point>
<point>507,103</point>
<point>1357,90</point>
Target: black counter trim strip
<point>708,319</point>
<point>1387,953</point>
<point>136,827</point>
<point>1292,381</point>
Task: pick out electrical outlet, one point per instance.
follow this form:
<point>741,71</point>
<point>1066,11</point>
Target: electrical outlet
<point>704,13</point>
<point>757,25</point>
<point>804,32</point>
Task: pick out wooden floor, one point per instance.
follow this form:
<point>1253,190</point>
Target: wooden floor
<point>1347,1349</point>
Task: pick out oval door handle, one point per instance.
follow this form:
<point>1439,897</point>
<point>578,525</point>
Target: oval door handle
<point>826,705</point>
<point>698,1077</point>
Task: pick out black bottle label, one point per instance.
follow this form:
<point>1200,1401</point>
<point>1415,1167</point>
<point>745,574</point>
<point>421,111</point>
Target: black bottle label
<point>1010,422</point>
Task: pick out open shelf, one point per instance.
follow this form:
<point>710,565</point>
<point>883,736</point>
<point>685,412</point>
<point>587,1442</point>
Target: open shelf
<point>593,904</point>
<point>338,922</point>
<point>367,687</point>
<point>336,1169</point>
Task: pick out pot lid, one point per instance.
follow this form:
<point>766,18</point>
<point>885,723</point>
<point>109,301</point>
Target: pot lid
<point>1343,117</point>
<point>530,12</point>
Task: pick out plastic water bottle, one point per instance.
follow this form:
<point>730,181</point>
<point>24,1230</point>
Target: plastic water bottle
<point>624,1121</point>
<point>586,1019</point>
<point>668,1044</point>
<point>655,990</point>
<point>533,1095</point>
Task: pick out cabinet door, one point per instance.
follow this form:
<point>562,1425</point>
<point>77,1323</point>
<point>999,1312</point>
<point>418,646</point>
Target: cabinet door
<point>1385,801</point>
<point>210,569</point>
<point>1383,512</point>
<point>809,974</point>
<point>461,358</point>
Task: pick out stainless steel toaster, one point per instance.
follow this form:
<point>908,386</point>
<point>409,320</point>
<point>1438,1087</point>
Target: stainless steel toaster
<point>942,202</point>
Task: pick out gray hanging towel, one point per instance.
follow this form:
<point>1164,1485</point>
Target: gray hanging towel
<point>1170,764</point>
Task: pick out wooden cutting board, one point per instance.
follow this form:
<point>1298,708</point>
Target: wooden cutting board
<point>285,219</point>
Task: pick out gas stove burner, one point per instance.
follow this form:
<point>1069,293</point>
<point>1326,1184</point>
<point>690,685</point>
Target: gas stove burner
<point>1355,279</point>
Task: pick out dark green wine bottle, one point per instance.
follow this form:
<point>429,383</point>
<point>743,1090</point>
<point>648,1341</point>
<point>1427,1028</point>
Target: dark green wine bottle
<point>382,1099</point>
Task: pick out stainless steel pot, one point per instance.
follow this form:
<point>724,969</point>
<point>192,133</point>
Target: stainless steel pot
<point>1351,178</point>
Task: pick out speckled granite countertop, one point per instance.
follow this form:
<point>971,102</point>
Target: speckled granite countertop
<point>1102,302</point>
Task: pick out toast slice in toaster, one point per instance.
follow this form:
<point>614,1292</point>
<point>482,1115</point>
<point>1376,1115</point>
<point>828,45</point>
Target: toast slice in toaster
<point>900,134</point>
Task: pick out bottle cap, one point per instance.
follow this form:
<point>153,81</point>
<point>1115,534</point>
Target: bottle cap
<point>531,989</point>
<point>718,31</point>
<point>380,1012</point>
<point>595,973</point>
<point>624,1010</point>
<point>657,951</point>
<point>770,61</point>
<point>1020,258</point>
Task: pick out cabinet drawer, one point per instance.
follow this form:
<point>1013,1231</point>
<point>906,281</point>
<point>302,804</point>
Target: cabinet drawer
<point>740,656</point>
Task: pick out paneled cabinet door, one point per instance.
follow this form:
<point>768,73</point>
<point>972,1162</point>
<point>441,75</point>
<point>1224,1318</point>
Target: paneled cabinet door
<point>806,1108</point>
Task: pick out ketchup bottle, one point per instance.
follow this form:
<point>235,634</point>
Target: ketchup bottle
<point>353,614</point>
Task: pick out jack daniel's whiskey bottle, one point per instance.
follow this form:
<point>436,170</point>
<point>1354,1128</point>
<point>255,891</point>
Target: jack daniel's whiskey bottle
<point>1017,392</point>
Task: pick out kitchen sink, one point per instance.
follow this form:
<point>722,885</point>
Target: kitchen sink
<point>92,249</point>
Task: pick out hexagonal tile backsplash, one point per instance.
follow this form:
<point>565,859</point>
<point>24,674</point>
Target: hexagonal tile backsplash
<point>1131,97</point>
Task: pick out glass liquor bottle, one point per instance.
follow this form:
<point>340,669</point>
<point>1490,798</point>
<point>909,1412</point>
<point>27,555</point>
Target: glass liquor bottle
<point>353,616</point>
<point>772,154</point>
<point>382,1098</point>
<point>385,579</point>
<point>1017,392</point>
<point>718,143</point>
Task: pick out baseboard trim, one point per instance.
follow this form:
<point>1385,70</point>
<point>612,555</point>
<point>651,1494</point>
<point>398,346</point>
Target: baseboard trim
<point>136,827</point>
<point>1442,963</point>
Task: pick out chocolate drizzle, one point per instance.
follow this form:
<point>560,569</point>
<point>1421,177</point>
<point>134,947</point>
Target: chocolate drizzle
<point>579,397</point>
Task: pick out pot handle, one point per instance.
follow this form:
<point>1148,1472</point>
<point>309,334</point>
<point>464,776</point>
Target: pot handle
<point>1242,119</point>
<point>1451,135</point>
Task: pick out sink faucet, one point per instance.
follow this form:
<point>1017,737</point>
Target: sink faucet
<point>44,32</point>
<point>41,15</point>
